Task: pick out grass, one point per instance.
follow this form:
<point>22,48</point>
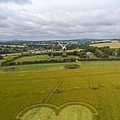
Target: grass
<point>41,57</point>
<point>32,58</point>
<point>69,56</point>
<point>112,57</point>
<point>95,83</point>
<point>37,67</point>
<point>60,66</point>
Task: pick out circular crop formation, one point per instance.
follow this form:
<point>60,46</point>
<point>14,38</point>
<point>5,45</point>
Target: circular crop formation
<point>64,112</point>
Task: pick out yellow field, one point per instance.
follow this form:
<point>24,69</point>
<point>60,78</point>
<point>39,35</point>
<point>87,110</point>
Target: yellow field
<point>75,50</point>
<point>13,54</point>
<point>9,56</point>
<point>113,44</point>
<point>96,84</point>
<point>19,46</point>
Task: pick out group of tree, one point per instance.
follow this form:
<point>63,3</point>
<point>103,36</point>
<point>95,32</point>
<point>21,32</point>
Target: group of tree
<point>1,57</point>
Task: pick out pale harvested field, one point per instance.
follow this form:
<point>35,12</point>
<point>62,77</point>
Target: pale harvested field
<point>13,46</point>
<point>113,44</point>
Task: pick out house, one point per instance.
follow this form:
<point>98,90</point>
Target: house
<point>89,53</point>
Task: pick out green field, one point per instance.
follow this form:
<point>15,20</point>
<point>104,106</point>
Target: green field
<point>32,58</point>
<point>95,84</point>
<point>41,57</point>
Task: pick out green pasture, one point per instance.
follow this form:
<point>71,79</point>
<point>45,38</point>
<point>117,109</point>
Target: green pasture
<point>41,57</point>
<point>36,67</point>
<point>60,66</point>
<point>32,58</point>
<point>69,56</point>
<point>94,83</point>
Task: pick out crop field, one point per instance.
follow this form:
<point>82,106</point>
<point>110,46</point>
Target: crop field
<point>13,46</point>
<point>113,44</point>
<point>32,58</point>
<point>9,56</point>
<point>38,92</point>
<point>40,57</point>
<point>69,56</point>
<point>75,50</point>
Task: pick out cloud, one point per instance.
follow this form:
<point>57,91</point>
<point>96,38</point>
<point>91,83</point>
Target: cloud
<point>2,17</point>
<point>47,19</point>
<point>16,1</point>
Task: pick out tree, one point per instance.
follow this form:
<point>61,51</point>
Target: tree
<point>1,57</point>
<point>118,52</point>
<point>106,50</point>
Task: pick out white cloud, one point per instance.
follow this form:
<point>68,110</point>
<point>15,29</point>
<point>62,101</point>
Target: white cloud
<point>16,1</point>
<point>58,19</point>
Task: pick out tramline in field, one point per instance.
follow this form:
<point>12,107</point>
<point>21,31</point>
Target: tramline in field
<point>95,83</point>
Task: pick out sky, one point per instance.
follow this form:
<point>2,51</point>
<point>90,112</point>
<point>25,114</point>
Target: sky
<point>59,19</point>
